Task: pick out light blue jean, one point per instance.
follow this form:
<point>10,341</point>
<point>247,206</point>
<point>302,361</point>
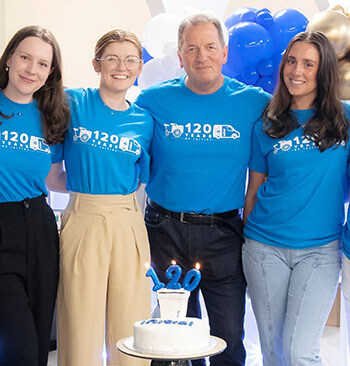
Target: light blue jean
<point>292,292</point>
<point>346,292</point>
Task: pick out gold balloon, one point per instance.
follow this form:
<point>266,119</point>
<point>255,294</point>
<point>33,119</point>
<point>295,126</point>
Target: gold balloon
<point>344,73</point>
<point>335,26</point>
<point>336,7</point>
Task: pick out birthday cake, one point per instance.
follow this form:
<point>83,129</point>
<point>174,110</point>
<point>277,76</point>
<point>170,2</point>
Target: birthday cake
<point>171,336</point>
<point>172,333</point>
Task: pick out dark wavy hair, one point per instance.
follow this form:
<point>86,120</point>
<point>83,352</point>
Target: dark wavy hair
<point>52,102</point>
<point>328,126</point>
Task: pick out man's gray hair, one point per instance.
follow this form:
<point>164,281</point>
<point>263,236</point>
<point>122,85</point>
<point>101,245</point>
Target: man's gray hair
<point>199,18</point>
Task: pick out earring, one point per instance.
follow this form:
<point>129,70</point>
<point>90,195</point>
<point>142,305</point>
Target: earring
<point>6,68</point>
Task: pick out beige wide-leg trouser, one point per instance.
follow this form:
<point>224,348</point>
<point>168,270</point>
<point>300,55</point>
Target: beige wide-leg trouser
<point>102,289</point>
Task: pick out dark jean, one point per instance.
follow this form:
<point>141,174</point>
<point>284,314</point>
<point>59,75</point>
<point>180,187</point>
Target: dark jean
<point>218,250</point>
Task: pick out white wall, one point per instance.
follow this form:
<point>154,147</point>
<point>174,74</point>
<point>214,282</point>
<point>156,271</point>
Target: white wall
<point>77,24</point>
<point>2,24</point>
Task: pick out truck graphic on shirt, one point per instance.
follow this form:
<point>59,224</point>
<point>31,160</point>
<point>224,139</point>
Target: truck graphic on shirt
<point>283,145</point>
<point>175,129</point>
<point>130,145</point>
<point>225,132</point>
<point>82,134</point>
<point>39,144</point>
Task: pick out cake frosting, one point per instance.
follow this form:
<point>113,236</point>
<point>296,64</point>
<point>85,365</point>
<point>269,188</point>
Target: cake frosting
<point>173,333</point>
<point>171,336</point>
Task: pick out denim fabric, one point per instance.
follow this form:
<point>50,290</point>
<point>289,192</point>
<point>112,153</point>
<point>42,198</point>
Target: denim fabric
<point>346,292</point>
<point>218,250</point>
<point>292,292</point>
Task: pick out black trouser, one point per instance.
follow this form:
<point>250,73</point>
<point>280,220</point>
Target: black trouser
<point>28,281</point>
<point>217,247</point>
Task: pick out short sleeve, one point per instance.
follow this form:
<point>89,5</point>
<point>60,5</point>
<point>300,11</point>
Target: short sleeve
<point>56,153</point>
<point>144,166</point>
<point>257,160</point>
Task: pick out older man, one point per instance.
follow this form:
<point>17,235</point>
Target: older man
<point>200,151</point>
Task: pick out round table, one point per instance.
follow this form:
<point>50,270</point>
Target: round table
<point>216,346</point>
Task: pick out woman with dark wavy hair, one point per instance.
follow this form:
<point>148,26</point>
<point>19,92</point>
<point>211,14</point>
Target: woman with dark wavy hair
<point>34,114</point>
<point>294,208</point>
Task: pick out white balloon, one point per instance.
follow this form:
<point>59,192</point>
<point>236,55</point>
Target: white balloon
<point>151,73</point>
<point>171,67</point>
<point>160,69</point>
<point>179,72</point>
<point>133,93</point>
<point>177,6</point>
<point>190,10</point>
<point>158,31</point>
<point>169,47</point>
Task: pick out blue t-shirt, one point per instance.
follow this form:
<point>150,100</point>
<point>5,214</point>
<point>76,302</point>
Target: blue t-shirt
<point>346,232</point>
<point>105,151</point>
<point>301,204</point>
<point>201,144</point>
<point>24,154</point>
<point>346,229</point>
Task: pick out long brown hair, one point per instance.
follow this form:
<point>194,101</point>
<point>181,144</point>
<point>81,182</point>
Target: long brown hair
<point>52,102</point>
<point>328,126</point>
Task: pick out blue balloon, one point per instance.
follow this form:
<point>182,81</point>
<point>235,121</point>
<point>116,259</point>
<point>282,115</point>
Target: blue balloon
<point>264,18</point>
<point>264,9</point>
<point>276,60</point>
<point>239,78</point>
<point>286,24</point>
<point>236,16</point>
<point>228,72</point>
<point>265,67</point>
<point>249,16</point>
<point>145,55</point>
<point>250,75</point>
<point>248,44</point>
<point>266,83</point>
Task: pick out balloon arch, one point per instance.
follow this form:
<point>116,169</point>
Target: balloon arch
<point>256,42</point>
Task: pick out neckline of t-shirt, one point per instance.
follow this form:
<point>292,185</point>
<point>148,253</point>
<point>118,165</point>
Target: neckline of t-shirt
<point>303,111</point>
<point>303,115</point>
<point>16,107</point>
<point>213,96</point>
<point>114,112</point>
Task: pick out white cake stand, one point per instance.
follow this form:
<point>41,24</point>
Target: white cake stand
<point>216,346</point>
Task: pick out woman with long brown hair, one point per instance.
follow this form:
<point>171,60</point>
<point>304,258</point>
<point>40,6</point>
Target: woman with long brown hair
<point>294,209</point>
<point>34,115</point>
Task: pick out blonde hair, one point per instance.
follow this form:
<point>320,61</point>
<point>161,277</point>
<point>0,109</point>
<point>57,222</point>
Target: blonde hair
<point>116,35</point>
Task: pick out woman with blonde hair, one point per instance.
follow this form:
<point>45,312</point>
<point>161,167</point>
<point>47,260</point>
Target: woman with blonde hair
<point>104,247</point>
